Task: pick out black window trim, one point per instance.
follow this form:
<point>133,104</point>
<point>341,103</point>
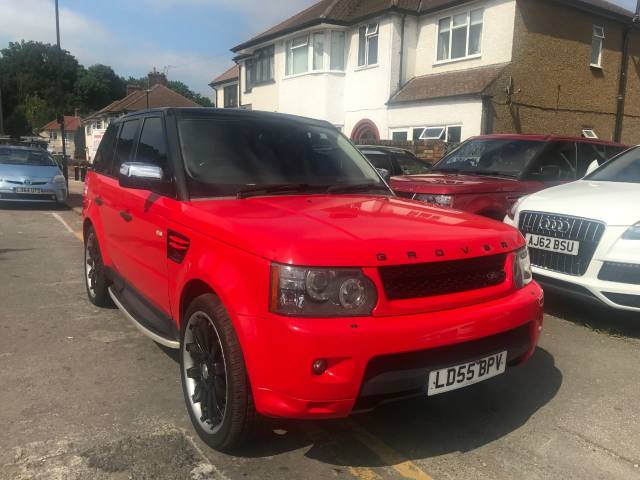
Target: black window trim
<point>115,163</point>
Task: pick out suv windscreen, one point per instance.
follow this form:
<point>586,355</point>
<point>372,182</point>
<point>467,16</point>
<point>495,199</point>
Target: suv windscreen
<point>225,157</point>
<point>18,156</point>
<point>491,156</point>
<point>625,168</point>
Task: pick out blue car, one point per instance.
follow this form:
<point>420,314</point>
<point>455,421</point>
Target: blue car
<point>29,174</point>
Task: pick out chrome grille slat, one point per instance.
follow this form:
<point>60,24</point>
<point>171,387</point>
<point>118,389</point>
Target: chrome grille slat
<point>587,232</point>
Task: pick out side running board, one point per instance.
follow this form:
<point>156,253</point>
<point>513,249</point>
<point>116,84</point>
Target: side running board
<point>153,336</point>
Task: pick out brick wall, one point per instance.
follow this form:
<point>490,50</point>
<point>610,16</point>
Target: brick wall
<point>553,88</point>
<point>428,150</point>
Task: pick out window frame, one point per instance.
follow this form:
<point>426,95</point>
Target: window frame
<point>327,53</point>
<point>597,33</point>
<point>467,26</point>
<point>235,96</point>
<point>445,132</point>
<point>344,50</point>
<point>367,37</point>
<point>260,54</point>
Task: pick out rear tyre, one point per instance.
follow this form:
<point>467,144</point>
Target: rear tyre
<point>94,272</point>
<point>214,378</point>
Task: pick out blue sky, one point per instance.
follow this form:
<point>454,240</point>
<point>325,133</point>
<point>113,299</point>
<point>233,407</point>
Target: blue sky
<point>189,38</point>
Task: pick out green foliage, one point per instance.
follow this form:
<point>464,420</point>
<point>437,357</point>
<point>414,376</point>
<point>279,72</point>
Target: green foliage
<point>34,88</point>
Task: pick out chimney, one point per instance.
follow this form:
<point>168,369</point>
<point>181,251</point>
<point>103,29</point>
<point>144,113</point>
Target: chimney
<point>132,88</point>
<point>157,78</point>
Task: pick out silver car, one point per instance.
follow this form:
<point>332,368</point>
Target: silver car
<point>29,174</point>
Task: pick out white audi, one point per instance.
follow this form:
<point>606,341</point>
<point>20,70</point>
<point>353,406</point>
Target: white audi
<point>584,237</point>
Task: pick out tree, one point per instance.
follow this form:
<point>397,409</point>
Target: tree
<point>176,86</point>
<point>29,74</point>
<point>98,86</point>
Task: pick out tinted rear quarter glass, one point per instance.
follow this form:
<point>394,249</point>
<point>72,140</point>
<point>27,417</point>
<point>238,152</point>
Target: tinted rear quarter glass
<point>126,142</point>
<point>104,155</point>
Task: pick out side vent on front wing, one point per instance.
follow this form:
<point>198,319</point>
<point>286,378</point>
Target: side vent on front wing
<point>177,246</point>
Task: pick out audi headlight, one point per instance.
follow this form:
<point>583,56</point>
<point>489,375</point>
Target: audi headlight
<point>522,275</point>
<point>59,179</point>
<point>321,292</point>
<point>440,200</point>
<point>632,233</point>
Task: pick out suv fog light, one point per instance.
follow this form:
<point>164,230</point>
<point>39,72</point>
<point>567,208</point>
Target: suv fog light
<point>319,366</point>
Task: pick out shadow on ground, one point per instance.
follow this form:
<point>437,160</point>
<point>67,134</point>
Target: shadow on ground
<point>593,315</point>
<point>424,427</point>
<point>33,206</point>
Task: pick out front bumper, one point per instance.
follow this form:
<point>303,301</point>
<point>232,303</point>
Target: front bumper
<point>375,358</point>
<point>51,192</point>
<point>614,294</point>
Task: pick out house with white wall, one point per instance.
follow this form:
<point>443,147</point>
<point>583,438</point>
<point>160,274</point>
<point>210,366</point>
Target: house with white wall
<point>419,69</point>
<point>226,88</point>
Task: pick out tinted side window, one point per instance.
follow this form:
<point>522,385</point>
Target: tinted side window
<point>104,155</point>
<point>410,165</point>
<point>126,142</point>
<point>590,152</point>
<point>152,147</point>
<point>557,163</point>
<point>381,161</point>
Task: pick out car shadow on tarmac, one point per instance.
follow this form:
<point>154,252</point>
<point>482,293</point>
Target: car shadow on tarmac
<point>422,427</point>
<point>44,206</point>
<point>593,315</point>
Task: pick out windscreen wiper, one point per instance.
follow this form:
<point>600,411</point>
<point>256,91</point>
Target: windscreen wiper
<point>445,170</point>
<point>357,187</point>
<point>494,173</point>
<point>284,188</point>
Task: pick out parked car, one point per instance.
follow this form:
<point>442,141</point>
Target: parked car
<point>487,174</point>
<point>30,174</point>
<point>584,237</point>
<point>396,161</point>
<point>293,282</point>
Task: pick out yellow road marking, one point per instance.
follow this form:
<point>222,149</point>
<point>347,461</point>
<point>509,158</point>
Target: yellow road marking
<point>78,235</point>
<point>388,455</point>
<point>320,435</point>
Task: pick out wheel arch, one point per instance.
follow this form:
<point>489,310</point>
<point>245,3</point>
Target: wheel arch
<point>86,225</point>
<point>191,290</point>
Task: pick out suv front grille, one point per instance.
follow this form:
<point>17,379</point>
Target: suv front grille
<point>403,282</point>
<point>587,232</point>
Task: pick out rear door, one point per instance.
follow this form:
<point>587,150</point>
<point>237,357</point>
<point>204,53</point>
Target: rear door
<point>143,222</point>
<point>112,195</point>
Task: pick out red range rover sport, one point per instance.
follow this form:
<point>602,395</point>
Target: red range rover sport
<point>487,175</point>
<point>292,280</point>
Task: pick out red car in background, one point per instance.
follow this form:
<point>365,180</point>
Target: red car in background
<point>487,174</point>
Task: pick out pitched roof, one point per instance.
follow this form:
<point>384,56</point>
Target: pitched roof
<point>70,123</point>
<point>348,12</point>
<point>159,96</point>
<point>473,81</point>
<point>232,74</point>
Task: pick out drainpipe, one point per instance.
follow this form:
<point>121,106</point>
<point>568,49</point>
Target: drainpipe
<point>240,83</point>
<point>624,69</point>
<point>402,28</point>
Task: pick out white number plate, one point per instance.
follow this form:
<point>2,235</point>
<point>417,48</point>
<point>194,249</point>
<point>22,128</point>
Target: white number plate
<point>28,190</point>
<point>568,247</point>
<point>453,378</point>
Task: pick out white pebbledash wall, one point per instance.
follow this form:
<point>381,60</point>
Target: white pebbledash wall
<point>346,98</point>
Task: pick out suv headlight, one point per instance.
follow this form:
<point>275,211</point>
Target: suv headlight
<point>522,275</point>
<point>59,179</point>
<point>321,292</point>
<point>441,200</point>
<point>632,233</point>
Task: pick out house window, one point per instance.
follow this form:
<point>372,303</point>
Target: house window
<point>460,36</point>
<point>589,133</point>
<point>260,68</point>
<point>298,55</point>
<point>449,133</point>
<point>318,51</point>
<point>597,42</point>
<point>400,136</point>
<point>337,50</point>
<point>368,46</point>
<point>231,96</point>
<point>54,135</point>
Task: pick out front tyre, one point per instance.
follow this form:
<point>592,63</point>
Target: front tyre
<point>94,273</point>
<point>214,378</point>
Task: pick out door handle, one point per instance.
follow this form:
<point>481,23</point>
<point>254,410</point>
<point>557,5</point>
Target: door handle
<point>126,216</point>
<point>98,201</point>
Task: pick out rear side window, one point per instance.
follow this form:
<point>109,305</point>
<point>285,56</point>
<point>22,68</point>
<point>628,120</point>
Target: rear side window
<point>152,147</point>
<point>104,155</point>
<point>410,165</point>
<point>557,163</point>
<point>380,161</point>
<point>126,142</point>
